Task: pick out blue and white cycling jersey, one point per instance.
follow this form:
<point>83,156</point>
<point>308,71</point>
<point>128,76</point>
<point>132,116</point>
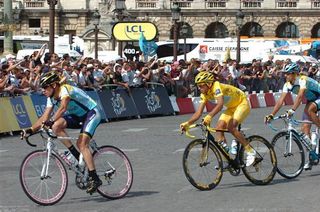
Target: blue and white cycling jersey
<point>80,103</point>
<point>312,92</point>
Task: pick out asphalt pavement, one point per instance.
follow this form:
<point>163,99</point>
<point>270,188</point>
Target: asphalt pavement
<point>155,149</point>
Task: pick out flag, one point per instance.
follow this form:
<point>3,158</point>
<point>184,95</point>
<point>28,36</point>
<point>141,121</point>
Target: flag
<point>148,48</point>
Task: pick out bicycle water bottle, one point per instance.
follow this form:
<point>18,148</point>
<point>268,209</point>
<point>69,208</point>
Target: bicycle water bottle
<point>307,141</point>
<point>234,147</point>
<point>225,146</point>
<point>314,138</point>
<point>71,159</point>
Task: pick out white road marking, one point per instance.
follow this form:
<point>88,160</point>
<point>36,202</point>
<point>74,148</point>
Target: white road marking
<point>245,129</point>
<point>186,188</point>
<point>135,130</point>
<point>3,150</point>
<point>178,150</point>
<point>130,150</point>
<point>193,129</point>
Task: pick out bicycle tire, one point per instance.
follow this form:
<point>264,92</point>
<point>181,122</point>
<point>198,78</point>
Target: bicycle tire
<point>191,163</point>
<point>284,162</point>
<point>31,169</point>
<point>107,158</point>
<point>264,168</point>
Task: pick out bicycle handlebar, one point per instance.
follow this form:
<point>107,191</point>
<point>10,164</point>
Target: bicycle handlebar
<point>204,127</point>
<point>286,119</point>
<point>43,128</point>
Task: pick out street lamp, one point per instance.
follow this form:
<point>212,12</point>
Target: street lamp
<point>96,22</point>
<point>113,44</point>
<point>52,4</point>
<point>120,6</point>
<point>184,31</point>
<point>239,22</point>
<point>175,12</point>
<point>8,19</point>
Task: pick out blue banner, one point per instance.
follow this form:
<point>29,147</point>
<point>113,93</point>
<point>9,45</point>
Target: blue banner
<point>39,102</point>
<point>117,103</point>
<point>20,112</point>
<point>152,101</point>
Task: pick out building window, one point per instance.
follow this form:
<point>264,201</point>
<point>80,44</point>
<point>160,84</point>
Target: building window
<point>216,3</point>
<point>287,30</point>
<point>287,3</point>
<point>315,3</point>
<point>251,3</point>
<point>182,3</point>
<point>34,23</point>
<point>147,3</point>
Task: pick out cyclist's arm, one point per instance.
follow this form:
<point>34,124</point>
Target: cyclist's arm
<point>279,103</point>
<point>298,99</point>
<point>197,114</point>
<point>218,107</point>
<point>45,117</point>
<point>62,108</point>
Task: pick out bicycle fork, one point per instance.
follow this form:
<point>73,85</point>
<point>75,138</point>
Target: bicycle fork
<point>45,166</point>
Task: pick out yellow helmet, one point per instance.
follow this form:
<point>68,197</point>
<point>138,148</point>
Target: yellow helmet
<point>204,77</point>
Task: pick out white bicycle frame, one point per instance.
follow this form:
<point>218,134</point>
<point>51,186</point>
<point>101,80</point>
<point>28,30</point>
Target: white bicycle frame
<point>290,129</point>
<point>52,147</point>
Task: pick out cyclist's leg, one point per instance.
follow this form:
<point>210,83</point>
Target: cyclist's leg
<point>310,114</point>
<point>67,121</point>
<point>240,114</point>
<point>90,124</point>
<point>59,127</point>
<point>222,123</point>
<point>311,110</point>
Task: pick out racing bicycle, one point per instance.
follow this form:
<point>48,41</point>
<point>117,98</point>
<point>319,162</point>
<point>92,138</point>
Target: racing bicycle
<point>288,145</point>
<point>44,178</point>
<point>203,160</point>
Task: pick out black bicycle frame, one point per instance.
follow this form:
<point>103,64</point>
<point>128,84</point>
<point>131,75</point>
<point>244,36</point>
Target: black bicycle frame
<point>233,162</point>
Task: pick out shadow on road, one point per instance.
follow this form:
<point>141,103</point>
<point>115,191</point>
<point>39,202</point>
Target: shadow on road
<point>97,198</point>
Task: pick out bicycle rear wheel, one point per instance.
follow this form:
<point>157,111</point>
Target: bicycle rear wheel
<point>43,190</point>
<point>262,171</point>
<point>202,172</point>
<point>289,163</point>
<point>115,170</point>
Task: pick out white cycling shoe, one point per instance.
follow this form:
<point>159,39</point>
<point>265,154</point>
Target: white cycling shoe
<point>251,155</point>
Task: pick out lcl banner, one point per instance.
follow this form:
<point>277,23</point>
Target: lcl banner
<point>152,101</point>
<point>39,103</point>
<point>117,103</point>
<point>23,110</point>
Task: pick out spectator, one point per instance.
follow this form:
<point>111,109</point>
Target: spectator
<point>98,78</point>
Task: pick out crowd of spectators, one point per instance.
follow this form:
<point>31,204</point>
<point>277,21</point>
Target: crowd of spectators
<point>22,77</point>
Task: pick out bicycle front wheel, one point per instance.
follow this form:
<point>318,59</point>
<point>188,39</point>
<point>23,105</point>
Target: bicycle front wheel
<point>115,170</point>
<point>202,166</point>
<point>43,190</point>
<point>262,171</point>
<point>290,155</point>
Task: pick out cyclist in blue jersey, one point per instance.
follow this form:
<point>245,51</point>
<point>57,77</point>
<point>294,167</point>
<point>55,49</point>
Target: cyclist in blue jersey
<point>302,86</point>
<point>74,107</point>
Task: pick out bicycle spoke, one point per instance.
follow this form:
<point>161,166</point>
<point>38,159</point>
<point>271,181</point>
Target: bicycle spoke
<point>50,189</point>
<point>201,174</point>
<point>115,170</point>
<point>262,171</point>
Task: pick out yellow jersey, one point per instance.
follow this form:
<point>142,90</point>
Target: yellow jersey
<point>232,96</point>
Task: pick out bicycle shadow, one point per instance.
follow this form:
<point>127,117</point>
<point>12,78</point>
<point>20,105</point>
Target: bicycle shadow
<point>98,198</point>
<point>246,184</point>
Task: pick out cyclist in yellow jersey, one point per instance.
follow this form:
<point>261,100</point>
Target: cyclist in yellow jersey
<point>237,110</point>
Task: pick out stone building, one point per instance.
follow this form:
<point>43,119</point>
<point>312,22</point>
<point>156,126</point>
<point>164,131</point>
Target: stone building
<point>204,18</point>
